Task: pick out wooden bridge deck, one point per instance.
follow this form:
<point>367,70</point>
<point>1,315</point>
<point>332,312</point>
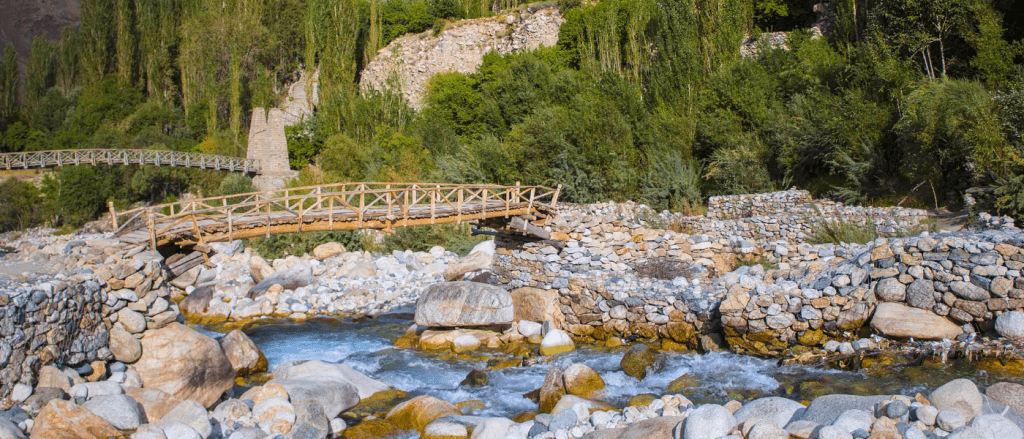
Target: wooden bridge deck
<point>66,157</point>
<point>345,206</point>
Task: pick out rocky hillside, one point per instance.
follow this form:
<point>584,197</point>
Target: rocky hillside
<point>23,19</point>
<point>459,48</point>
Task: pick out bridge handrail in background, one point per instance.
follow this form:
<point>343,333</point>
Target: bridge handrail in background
<point>67,157</point>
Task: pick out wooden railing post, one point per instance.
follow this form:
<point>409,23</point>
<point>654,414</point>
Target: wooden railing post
<point>113,214</point>
<point>152,228</point>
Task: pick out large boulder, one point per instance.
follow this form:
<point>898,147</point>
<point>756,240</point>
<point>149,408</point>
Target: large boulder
<point>824,410</point>
<point>708,421</point>
<point>310,421</point>
<point>552,390</point>
<point>537,305</point>
<point>960,394</point>
<point>195,305</point>
<point>898,320</point>
<point>639,359</point>
<point>334,396</point>
<point>464,304</point>
<point>416,413</point>
<point>773,408</point>
<point>1011,394</point>
<point>479,258</point>
<point>320,370</point>
<point>185,364</point>
<point>189,413</point>
<point>64,420</point>
<point>125,347</point>
<point>581,380</point>
<point>299,275</point>
<point>121,411</point>
<point>243,354</point>
<point>155,403</point>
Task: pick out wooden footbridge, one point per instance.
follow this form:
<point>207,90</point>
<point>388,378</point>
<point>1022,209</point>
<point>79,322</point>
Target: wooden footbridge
<point>343,206</point>
<point>67,157</point>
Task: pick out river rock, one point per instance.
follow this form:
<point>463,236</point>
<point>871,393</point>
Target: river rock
<point>824,410</point>
<point>365,386</point>
<point>996,427</point>
<point>125,347</point>
<point>155,403</point>
<point>149,431</point>
<point>10,431</point>
<point>778,410</point>
<point>959,394</point>
<point>299,275</point>
<point>442,429</point>
<point>921,294</point>
<point>464,304</point>
<point>190,413</point>
<point>121,411</point>
<point>185,364</point>
<point>657,428</point>
<point>310,421</point>
<point>178,430</point>
<point>853,420</point>
<point>1011,394</point>
<point>833,432</point>
<point>416,413</point>
<point>563,420</point>
<point>465,343</point>
<point>898,320</point>
<point>51,376</point>
<point>639,359</point>
<point>132,321</point>
<point>529,329</point>
<point>233,411</point>
<point>950,419</point>
<point>536,305</point>
<point>556,341</point>
<point>245,357</point>
<point>583,407</point>
<point>334,396</point>
<point>65,420</point>
<point>552,390</point>
<point>328,249</point>
<point>475,261</point>
<point>581,380</point>
<point>1011,324</point>
<point>196,305</point>
<point>492,428</point>
<point>708,421</point>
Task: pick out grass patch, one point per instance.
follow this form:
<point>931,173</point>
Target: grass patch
<point>66,229</point>
<point>836,232</point>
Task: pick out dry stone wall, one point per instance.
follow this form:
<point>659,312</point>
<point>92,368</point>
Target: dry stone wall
<point>77,302</point>
<point>808,295</point>
<point>413,59</point>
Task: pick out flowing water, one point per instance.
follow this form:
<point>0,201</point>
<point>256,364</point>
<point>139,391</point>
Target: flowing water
<point>715,377</point>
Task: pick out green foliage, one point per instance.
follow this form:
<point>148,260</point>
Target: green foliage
<point>835,232</point>
<point>298,244</point>
<point>23,205</point>
<point>303,143</point>
<point>453,237</point>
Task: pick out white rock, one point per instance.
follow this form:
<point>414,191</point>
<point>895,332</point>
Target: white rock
<point>1010,324</point>
<point>529,329</point>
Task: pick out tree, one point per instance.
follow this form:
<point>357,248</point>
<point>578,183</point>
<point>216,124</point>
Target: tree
<point>9,84</point>
<point>39,72</point>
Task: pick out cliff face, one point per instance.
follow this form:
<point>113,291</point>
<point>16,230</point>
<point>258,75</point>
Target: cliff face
<point>23,19</point>
<point>459,48</point>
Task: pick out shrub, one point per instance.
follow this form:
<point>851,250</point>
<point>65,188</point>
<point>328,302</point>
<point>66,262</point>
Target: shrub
<point>279,246</point>
<point>838,231</point>
<point>21,203</point>
<point>453,237</point>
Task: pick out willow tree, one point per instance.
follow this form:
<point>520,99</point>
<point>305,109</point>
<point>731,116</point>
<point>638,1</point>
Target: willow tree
<point>125,42</point>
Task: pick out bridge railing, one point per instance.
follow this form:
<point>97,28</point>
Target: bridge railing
<point>364,205</point>
<point>66,157</point>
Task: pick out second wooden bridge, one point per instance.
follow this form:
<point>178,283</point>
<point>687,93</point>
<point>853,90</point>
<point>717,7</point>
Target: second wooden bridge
<point>343,206</point>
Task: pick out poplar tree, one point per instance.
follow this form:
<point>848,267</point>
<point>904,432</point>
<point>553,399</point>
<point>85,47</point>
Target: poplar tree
<point>9,83</point>
<point>97,38</point>
<point>67,61</point>
<point>125,42</point>
<point>39,72</point>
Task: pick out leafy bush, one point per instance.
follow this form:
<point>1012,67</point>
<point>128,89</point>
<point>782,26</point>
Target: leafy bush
<point>279,246</point>
<point>838,231</point>
<point>22,205</point>
<point>453,237</point>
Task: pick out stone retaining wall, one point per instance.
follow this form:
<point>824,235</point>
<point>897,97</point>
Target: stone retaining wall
<point>68,318</point>
<point>962,279</point>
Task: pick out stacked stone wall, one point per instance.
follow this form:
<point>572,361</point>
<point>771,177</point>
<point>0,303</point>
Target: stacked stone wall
<point>66,318</point>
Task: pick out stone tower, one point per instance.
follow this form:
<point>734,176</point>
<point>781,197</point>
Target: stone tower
<point>268,144</point>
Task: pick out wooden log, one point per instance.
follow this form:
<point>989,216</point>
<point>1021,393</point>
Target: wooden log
<point>524,226</point>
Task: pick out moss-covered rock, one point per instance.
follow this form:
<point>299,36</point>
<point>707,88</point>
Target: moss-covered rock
<point>639,359</point>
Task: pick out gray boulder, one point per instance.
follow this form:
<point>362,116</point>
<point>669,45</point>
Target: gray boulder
<point>960,394</point>
<point>121,411</point>
<point>853,420</point>
<point>464,304</point>
<point>10,431</point>
<point>197,303</point>
<point>950,419</point>
<point>330,371</point>
<point>299,275</point>
<point>773,408</point>
<point>310,420</point>
<point>149,431</point>
<point>833,432</point>
<point>921,294</point>
<point>891,290</point>
<point>1010,324</point>
<point>248,433</point>
<point>189,414</point>
<point>1011,394</point>
<point>708,421</point>
<point>178,430</point>
<point>826,409</point>
<point>996,427</point>
<point>334,396</point>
